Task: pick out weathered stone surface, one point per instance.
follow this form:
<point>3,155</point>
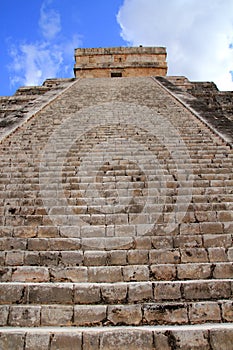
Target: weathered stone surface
<point>89,315</point>
<point>37,341</point>
<point>131,340</point>
<point>69,274</point>
<point>59,294</point>
<point>207,290</point>
<point>167,291</point>
<point>125,314</point>
<point>105,274</point>
<point>204,312</point>
<point>30,274</point>
<point>194,271</point>
<point>164,272</point>
<point>161,341</point>
<point>12,294</point>
<point>24,316</point>
<point>115,293</point>
<point>221,339</point>
<point>91,340</point>
<point>104,266</point>
<point>56,315</point>
<point>135,273</point>
<point>190,340</point>
<point>66,341</point>
<point>87,294</point>
<point>12,341</point>
<point>140,292</point>
<point>227,311</point>
<point>166,314</point>
<point>4,312</point>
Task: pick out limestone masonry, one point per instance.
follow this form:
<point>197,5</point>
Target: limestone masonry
<point>116,209</point>
<point>120,62</point>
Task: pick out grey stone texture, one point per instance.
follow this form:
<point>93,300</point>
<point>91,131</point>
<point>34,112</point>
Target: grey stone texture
<point>115,211</point>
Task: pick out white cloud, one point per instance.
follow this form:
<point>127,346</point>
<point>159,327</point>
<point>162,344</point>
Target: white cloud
<point>33,62</point>
<point>197,34</point>
<point>50,22</point>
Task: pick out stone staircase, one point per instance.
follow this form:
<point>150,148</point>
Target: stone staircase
<point>116,224</point>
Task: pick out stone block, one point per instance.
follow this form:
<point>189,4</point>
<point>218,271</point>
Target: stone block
<point>215,240</point>
<point>140,292</point>
<point>38,244</point>
<point>95,258</point>
<point>12,293</point>
<point>53,315</point>
<point>227,311</point>
<point>49,258</point>
<point>167,291</point>
<point>190,229</point>
<point>48,232</point>
<point>15,258</point>
<point>211,228</point>
<point>66,341</point>
<point>108,274</point>
<point>194,255</point>
<point>4,312</point>
<point>230,254</point>
<point>217,254</point>
<point>36,341</point>
<point>125,314</point>
<point>221,339</point>
<point>114,293</point>
<point>87,294</point>
<point>65,244</point>
<point>130,340</point>
<point>91,340</point>
<point>163,272</point>
<point>138,257</point>
<point>85,315</point>
<point>156,314</point>
<point>135,273</point>
<point>164,256</point>
<point>206,290</point>
<point>142,243</point>
<point>204,312</point>
<point>50,294</point>
<point>69,274</point>
<point>117,257</point>
<point>30,274</point>
<point>161,341</point>
<point>193,271</point>
<point>32,258</point>
<point>191,241</point>
<point>223,270</point>
<point>5,274</point>
<point>71,258</point>
<point>162,242</point>
<point>190,340</point>
<point>24,316</point>
<point>10,341</point>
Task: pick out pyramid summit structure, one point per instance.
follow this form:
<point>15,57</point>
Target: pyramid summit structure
<point>116,209</point>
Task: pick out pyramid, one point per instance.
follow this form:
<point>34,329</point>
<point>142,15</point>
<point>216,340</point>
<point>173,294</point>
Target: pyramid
<point>116,218</point>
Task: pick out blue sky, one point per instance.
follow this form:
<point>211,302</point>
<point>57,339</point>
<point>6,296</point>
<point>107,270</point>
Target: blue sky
<point>38,37</point>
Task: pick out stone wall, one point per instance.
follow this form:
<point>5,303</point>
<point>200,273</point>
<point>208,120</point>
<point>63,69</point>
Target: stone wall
<point>120,61</point>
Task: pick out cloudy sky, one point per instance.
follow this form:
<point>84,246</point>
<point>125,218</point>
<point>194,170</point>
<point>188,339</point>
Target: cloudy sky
<point>38,37</point>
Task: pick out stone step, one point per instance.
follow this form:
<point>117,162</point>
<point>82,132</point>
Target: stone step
<point>214,336</point>
<point>128,292</point>
<point>183,263</point>
<point>115,273</point>
<point>212,236</point>
<point>114,315</point>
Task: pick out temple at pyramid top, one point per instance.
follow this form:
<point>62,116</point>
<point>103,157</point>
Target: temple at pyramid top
<point>120,62</point>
